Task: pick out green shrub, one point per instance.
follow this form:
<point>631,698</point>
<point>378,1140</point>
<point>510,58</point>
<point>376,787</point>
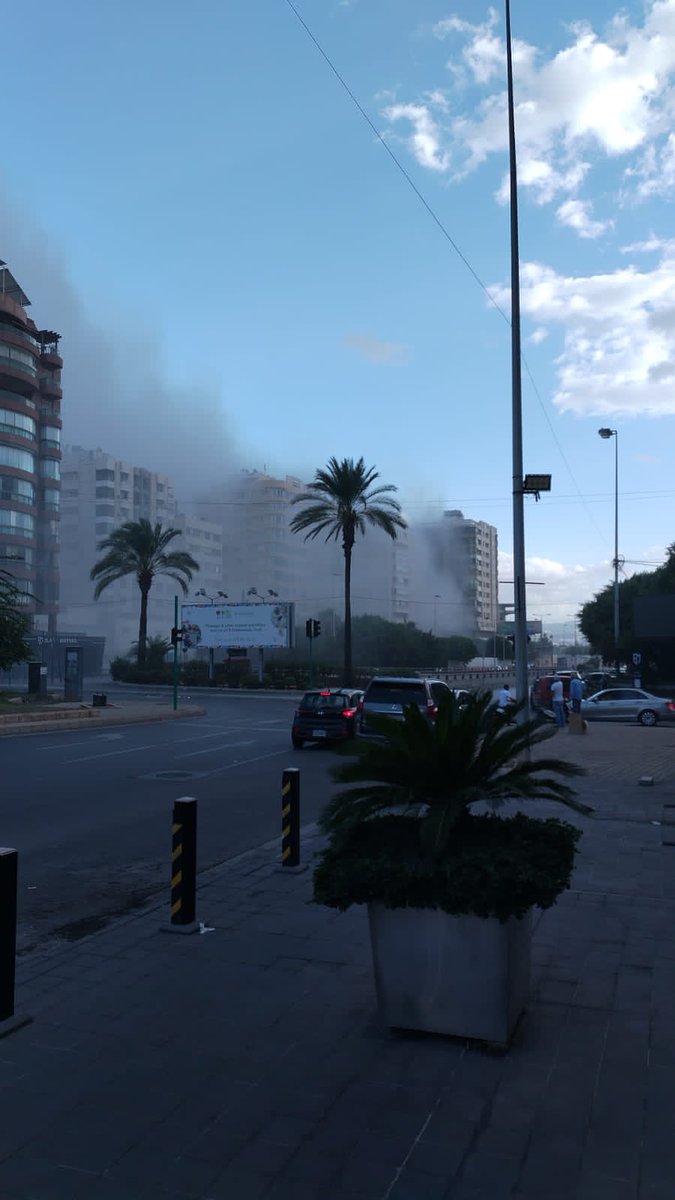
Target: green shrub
<point>497,868</point>
<point>194,674</point>
<point>124,671</point>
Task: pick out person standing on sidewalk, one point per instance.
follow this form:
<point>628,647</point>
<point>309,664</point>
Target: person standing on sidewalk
<point>558,701</point>
<point>577,689</point>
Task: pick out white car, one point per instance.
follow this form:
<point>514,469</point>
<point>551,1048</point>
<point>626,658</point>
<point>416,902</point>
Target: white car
<point>627,704</point>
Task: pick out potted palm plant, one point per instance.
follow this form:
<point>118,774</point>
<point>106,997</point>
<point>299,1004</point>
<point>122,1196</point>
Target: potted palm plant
<point>450,883</point>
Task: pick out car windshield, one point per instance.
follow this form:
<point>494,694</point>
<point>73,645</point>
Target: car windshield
<point>316,700</point>
<point>396,693</point>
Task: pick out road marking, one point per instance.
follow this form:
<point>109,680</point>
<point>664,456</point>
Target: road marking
<point>202,737</point>
<point>214,749</point>
<point>110,753</point>
<point>243,762</point>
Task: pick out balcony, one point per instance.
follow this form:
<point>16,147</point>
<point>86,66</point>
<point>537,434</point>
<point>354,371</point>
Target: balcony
<point>52,360</point>
<point>19,375</point>
<point>49,387</point>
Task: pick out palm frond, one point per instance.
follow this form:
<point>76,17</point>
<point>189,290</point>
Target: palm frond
<point>469,756</point>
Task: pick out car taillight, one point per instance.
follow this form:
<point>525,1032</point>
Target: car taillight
<point>431,708</point>
<point>671,706</point>
<point>349,712</point>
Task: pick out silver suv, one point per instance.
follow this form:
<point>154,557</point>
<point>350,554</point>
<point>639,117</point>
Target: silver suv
<point>388,695</point>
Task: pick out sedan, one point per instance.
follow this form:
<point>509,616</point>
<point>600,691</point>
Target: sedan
<point>325,715</point>
<point>627,704</point>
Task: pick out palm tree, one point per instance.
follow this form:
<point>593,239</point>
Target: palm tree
<point>139,548</point>
<point>340,501</point>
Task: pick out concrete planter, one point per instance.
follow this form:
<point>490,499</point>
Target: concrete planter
<point>464,976</point>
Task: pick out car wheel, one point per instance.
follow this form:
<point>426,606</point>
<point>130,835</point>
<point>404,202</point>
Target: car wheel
<point>648,717</point>
<point>297,742</point>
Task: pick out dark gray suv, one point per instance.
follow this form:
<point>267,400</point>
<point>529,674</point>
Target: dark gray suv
<point>388,695</point>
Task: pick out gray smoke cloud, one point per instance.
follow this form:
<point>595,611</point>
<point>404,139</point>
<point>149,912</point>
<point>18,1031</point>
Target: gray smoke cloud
<point>116,392</point>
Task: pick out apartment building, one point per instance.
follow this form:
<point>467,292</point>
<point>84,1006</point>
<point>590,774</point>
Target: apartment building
<point>30,454</point>
<point>101,492</point>
<point>459,574</point>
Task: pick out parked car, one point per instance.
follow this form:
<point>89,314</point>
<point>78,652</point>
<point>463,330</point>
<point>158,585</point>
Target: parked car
<point>389,695</point>
<point>325,715</point>
<point>627,704</point>
<point>597,680</point>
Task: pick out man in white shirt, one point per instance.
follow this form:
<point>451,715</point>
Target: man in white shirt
<point>558,701</point>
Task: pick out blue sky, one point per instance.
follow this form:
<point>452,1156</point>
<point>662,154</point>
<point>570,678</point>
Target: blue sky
<point>243,277</point>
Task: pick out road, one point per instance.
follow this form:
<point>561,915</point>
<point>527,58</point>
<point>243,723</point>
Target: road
<point>90,812</point>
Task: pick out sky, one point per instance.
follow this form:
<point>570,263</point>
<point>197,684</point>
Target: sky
<point>275,232</point>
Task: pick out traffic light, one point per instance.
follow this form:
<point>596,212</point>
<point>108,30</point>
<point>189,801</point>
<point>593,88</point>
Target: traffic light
<point>308,629</point>
<point>316,628</point>
<point>176,636</point>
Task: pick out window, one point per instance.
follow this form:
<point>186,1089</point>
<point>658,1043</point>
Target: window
<point>19,555</point>
<point>105,493</point>
<point>18,358</point>
<point>12,488</point>
<point>105,474</point>
<point>51,499</point>
<point>50,468</point>
<point>103,527</point>
<point>16,423</point>
<point>124,476</point>
<point>105,510</point>
<point>20,524</point>
<point>22,460</point>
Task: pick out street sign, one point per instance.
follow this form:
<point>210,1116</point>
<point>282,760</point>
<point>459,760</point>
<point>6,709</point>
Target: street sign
<point>637,659</point>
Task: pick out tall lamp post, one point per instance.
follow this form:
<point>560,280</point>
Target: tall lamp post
<point>519,601</point>
<point>607,434</point>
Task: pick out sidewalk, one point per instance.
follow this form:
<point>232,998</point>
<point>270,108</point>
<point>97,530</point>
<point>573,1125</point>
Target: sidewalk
<point>248,1063</point>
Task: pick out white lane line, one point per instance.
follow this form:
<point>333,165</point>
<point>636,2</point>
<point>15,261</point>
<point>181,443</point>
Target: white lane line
<point>202,737</point>
<point>243,762</point>
<point>111,753</point>
<point>214,749</point>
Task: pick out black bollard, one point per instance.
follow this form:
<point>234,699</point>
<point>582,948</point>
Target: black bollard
<point>290,817</point>
<point>8,890</point>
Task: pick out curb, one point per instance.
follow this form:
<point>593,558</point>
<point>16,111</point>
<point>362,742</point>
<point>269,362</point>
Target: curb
<point>69,723</point>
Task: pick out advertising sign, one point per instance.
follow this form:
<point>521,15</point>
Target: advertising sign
<point>218,625</point>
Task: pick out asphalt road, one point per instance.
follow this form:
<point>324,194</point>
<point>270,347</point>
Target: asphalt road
<point>90,812</point>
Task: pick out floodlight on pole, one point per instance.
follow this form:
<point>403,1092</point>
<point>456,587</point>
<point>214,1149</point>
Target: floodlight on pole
<point>606,434</point>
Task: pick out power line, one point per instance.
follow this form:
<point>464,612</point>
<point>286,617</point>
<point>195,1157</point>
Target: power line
<point>446,234</point>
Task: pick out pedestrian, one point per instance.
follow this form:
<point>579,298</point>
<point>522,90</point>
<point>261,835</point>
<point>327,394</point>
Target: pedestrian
<point>504,700</point>
<point>577,689</point>
<point>558,701</point>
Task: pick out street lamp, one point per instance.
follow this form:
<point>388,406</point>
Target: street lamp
<point>606,434</point>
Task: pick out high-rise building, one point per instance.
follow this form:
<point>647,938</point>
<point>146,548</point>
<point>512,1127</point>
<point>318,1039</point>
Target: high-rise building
<point>463,571</point>
<point>100,493</point>
<point>30,453</point>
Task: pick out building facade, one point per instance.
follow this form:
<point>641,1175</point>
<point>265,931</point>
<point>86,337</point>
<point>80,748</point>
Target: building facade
<point>100,493</point>
<point>30,454</point>
<point>461,573</point>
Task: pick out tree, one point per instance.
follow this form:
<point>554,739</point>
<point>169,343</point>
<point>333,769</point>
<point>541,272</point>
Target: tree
<point>14,625</point>
<point>340,502</point>
<point>139,548</point>
<point>596,619</point>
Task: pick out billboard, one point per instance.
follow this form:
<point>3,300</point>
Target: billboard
<point>218,625</point>
<point>654,616</point>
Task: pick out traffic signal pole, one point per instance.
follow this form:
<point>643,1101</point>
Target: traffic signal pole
<point>175,654</point>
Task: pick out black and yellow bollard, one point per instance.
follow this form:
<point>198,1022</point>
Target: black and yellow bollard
<point>183,867</point>
<point>290,820</point>
<point>9,1021</point>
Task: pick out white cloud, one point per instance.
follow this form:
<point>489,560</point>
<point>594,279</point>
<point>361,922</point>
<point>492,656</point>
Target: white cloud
<point>538,336</point>
<point>425,140</point>
<point>619,335</point>
<point>566,586</point>
<point>391,354</point>
<point>577,214</point>
<point>604,95</point>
